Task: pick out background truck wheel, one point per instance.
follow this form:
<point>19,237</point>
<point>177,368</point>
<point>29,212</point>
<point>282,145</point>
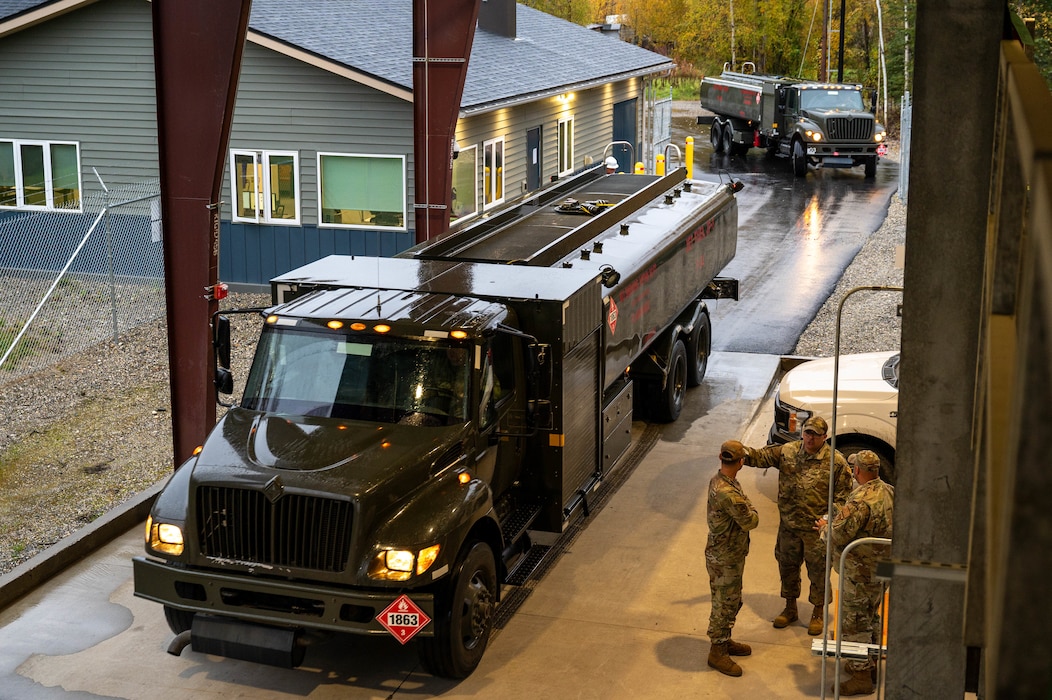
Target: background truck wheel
<point>716,136</point>
<point>728,139</point>
<point>463,616</point>
<point>699,344</point>
<point>799,159</point>
<point>178,620</point>
<point>668,401</point>
<point>871,167</point>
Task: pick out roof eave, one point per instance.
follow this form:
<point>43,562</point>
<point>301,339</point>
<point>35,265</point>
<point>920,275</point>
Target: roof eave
<point>483,107</point>
<point>43,13</point>
<point>334,67</point>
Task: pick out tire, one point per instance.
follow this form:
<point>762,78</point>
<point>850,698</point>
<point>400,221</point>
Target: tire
<point>728,140</point>
<point>178,620</point>
<point>799,159</point>
<point>870,167</point>
<point>463,616</point>
<point>716,136</point>
<point>887,463</point>
<point>668,402</point>
<point>699,345</point>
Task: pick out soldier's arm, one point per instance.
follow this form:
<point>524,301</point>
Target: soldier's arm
<point>765,457</point>
<point>848,521</point>
<point>740,509</point>
<point>842,488</point>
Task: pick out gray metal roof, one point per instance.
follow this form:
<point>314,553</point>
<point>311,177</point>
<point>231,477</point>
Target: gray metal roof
<point>548,56</point>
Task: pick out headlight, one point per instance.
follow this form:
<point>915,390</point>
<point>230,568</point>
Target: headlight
<point>878,137</point>
<point>399,564</point>
<point>164,537</point>
<point>815,136</point>
<point>796,420</point>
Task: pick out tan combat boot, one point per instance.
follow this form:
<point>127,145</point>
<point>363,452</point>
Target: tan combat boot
<point>738,649</point>
<point>719,660</point>
<point>815,626</point>
<point>860,683</point>
<point>788,615</point>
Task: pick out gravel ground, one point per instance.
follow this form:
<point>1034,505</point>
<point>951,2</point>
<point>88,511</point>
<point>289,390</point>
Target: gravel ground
<point>81,437</point>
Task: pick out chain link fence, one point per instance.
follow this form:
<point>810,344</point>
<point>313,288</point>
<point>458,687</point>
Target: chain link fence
<point>71,279</point>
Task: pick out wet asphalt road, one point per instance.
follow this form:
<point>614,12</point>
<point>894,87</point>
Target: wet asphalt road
<point>795,238</point>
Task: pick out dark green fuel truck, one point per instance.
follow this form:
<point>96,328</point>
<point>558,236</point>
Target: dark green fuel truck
<point>825,125</point>
<point>412,426</point>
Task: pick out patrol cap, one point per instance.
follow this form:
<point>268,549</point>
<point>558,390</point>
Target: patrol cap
<point>816,425</point>
<point>866,459</point>
<point>732,451</point>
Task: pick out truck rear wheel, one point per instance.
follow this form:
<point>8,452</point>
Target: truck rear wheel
<point>728,140</point>
<point>716,136</point>
<point>699,344</point>
<point>799,159</point>
<point>463,616</point>
<point>668,401</point>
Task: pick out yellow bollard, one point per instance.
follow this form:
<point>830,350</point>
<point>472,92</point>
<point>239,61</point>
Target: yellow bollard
<point>640,170</point>
<point>690,157</point>
<point>659,165</point>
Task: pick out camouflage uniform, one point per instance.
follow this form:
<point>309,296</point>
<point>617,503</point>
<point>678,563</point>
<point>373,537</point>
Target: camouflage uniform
<point>867,513</point>
<point>803,492</point>
<point>730,516</point>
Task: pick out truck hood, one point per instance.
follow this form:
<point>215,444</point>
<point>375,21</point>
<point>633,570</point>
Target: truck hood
<point>860,378</point>
<point>822,114</point>
<point>347,456</point>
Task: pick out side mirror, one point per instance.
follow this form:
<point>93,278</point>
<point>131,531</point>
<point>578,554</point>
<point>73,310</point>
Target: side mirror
<point>224,378</point>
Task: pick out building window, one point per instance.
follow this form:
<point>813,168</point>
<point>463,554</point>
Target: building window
<point>362,190</point>
<point>264,185</point>
<point>465,183</point>
<point>39,175</point>
<point>566,146</point>
<point>493,171</point>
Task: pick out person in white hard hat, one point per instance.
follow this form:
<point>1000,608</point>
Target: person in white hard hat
<point>611,165</point>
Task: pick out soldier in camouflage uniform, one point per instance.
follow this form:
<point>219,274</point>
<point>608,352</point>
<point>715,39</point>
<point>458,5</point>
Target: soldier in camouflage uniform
<point>867,513</point>
<point>803,493</point>
<point>730,516</point>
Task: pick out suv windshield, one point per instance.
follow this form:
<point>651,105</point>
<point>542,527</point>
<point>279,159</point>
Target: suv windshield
<point>839,100</point>
<point>381,378</point>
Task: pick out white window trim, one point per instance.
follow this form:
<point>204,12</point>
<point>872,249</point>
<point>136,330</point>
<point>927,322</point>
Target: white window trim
<point>504,179</point>
<point>573,138</point>
<point>263,211</point>
<point>49,181</point>
<point>474,184</point>
<point>405,194</point>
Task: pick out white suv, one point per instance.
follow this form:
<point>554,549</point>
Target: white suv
<point>867,404</point>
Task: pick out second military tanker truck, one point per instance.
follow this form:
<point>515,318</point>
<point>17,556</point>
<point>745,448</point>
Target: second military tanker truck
<point>411,424</point>
<point>824,125</point>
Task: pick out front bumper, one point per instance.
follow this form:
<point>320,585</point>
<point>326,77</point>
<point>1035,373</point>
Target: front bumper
<point>271,601</point>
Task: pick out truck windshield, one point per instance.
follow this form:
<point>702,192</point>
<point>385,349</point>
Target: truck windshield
<point>362,377</point>
<point>832,100</point>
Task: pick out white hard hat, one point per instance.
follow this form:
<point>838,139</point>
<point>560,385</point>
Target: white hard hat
<point>611,162</point>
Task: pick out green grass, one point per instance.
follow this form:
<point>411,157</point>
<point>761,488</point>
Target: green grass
<point>682,88</point>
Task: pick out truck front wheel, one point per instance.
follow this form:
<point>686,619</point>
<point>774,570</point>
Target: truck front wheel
<point>669,400</point>
<point>463,616</point>
<point>870,167</point>
<point>799,158</point>
<point>178,620</point>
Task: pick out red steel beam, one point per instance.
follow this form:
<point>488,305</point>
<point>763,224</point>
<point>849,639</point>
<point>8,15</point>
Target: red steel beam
<point>443,31</point>
<point>197,47</point>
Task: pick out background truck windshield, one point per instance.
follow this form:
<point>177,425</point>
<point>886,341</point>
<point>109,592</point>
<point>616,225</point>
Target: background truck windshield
<point>842,100</point>
<point>363,377</point>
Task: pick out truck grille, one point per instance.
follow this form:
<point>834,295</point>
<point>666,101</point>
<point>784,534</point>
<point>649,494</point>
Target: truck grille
<point>296,531</point>
<point>850,129</point>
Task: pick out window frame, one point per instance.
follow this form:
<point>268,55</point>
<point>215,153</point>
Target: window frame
<point>474,149</point>
<point>49,179</point>
<point>261,164</point>
<point>489,191</point>
<point>566,159</point>
<point>367,226</point>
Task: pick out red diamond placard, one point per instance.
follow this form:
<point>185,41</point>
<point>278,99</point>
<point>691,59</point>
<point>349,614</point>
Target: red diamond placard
<point>403,619</point>
<point>611,316</point>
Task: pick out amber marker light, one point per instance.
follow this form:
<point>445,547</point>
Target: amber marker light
<point>464,477</point>
<point>382,328</point>
<point>335,325</point>
<point>272,319</point>
<point>197,450</point>
<point>358,326</point>
<point>459,335</point>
